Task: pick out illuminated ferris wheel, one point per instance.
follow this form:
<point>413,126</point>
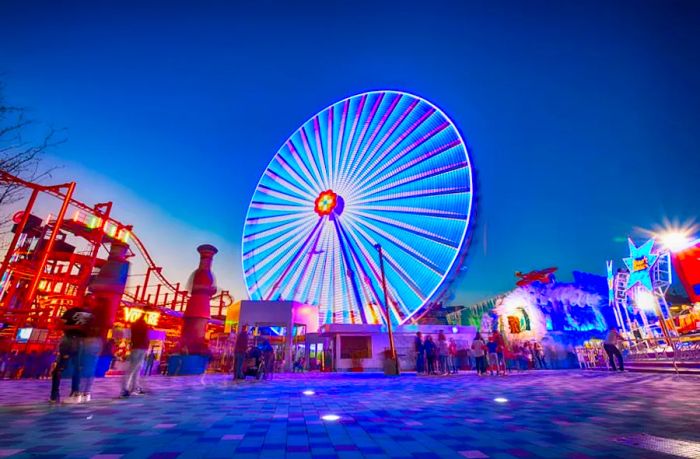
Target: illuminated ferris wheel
<point>381,168</point>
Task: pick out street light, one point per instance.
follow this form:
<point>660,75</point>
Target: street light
<point>392,348</point>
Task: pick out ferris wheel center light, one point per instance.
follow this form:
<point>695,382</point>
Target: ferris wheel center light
<point>326,203</point>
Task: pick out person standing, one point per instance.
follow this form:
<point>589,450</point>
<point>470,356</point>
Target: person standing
<point>240,350</point>
<point>478,350</point>
<point>74,324</point>
<point>442,353</point>
<point>430,353</point>
<point>492,347</point>
<point>139,345</point>
<point>611,349</point>
<point>500,350</point>
<point>92,347</point>
<point>149,363</point>
<point>420,353</point>
<point>452,356</point>
<point>539,356</point>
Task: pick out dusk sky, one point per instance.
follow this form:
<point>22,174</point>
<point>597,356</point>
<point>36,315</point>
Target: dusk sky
<point>581,117</point>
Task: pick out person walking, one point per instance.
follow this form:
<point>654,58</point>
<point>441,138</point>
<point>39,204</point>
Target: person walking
<point>420,353</point>
<point>139,345</point>
<point>443,351</point>
<point>240,350</point>
<point>74,324</point>
<point>539,356</point>
<point>478,350</point>
<point>430,353</point>
<point>611,349</point>
<point>92,347</point>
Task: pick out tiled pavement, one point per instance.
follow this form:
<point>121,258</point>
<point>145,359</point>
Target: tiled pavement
<point>573,415</point>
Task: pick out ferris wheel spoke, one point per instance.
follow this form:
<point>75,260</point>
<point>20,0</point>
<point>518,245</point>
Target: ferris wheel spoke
<point>410,228</point>
<point>320,154</point>
<point>289,216</point>
<point>390,260</point>
<point>311,159</point>
<point>279,180</point>
<point>293,173</point>
<point>377,129</point>
<point>281,195</point>
<point>402,245</point>
<point>416,194</point>
<point>310,293</point>
<point>314,181</point>
<point>339,142</point>
<point>418,177</point>
<point>276,247</point>
<point>401,154</point>
<point>270,206</point>
<point>348,163</point>
<point>351,135</point>
<point>363,167</point>
<point>424,211</point>
<point>418,161</point>
<point>281,229</point>
<point>284,260</point>
<point>359,176</point>
<point>329,147</point>
<point>280,238</point>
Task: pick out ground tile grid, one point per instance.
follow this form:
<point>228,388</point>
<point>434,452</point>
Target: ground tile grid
<point>548,414</point>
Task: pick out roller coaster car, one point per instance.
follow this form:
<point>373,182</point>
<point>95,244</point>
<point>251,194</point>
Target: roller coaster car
<point>544,276</point>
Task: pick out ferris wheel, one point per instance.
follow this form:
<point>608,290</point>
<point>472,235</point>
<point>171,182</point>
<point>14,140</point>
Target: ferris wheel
<point>380,169</point>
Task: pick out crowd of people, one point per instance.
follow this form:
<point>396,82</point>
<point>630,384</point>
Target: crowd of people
<point>26,365</point>
<point>489,354</point>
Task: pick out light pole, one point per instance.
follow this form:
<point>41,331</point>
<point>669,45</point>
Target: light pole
<point>392,348</point>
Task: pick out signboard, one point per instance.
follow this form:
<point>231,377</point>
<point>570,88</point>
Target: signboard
<point>132,314</point>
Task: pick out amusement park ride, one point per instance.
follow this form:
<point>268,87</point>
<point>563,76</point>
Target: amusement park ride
<point>51,263</point>
<point>382,168</point>
<point>638,298</point>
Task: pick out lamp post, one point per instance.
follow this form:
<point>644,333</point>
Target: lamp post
<point>392,348</point>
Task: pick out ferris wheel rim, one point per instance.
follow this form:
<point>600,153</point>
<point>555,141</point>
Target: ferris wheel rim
<point>462,246</point>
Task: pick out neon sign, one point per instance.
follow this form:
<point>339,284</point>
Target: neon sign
<point>133,314</point>
<point>640,264</point>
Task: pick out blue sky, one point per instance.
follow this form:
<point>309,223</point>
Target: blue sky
<point>582,117</point>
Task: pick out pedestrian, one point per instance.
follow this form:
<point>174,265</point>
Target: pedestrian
<point>420,353</point>
<point>139,345</point>
<point>500,350</point>
<point>240,350</point>
<point>74,324</point>
<point>452,356</point>
<point>492,347</point>
<point>430,353</point>
<point>539,356</point>
<point>149,363</point>
<point>443,352</point>
<point>611,349</point>
<point>268,353</point>
<point>478,350</point>
<point>92,346</point>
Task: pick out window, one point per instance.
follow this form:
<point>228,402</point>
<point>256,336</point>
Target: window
<point>355,347</point>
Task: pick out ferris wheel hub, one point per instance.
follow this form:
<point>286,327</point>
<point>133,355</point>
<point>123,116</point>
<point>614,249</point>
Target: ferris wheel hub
<point>328,202</point>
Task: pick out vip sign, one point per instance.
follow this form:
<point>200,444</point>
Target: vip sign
<point>133,314</point>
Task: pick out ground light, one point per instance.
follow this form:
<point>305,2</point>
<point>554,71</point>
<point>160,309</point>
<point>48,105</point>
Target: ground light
<point>330,417</point>
<point>500,400</point>
<point>309,392</point>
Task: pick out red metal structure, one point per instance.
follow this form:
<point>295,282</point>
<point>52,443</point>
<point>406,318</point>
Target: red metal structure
<point>49,264</point>
<point>544,276</point>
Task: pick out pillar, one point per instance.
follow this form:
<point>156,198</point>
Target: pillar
<point>108,285</point>
<point>197,312</point>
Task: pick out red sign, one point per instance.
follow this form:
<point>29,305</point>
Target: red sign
<point>17,217</point>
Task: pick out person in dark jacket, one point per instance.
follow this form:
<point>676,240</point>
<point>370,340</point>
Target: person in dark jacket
<point>430,354</point>
<point>139,345</point>
<point>75,322</point>
<point>240,350</point>
<point>420,353</point>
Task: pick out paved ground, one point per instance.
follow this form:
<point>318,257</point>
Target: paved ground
<point>549,414</point>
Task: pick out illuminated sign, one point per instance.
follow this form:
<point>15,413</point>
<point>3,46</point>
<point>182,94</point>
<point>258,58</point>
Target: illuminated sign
<point>640,264</point>
<point>133,314</point>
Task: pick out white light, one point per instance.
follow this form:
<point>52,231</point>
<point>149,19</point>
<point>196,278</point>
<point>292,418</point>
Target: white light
<point>308,392</point>
<point>455,329</point>
<point>500,400</point>
<point>675,241</point>
<point>645,300</point>
<point>330,417</point>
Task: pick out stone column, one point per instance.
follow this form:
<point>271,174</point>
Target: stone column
<point>108,285</point>
<point>197,312</point>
